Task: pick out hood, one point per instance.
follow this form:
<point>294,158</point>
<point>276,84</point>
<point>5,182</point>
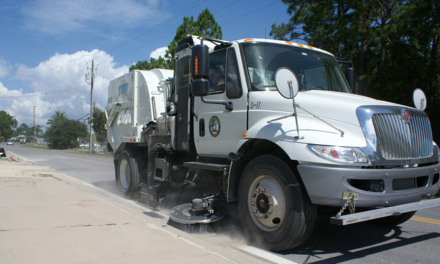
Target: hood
<point>335,105</point>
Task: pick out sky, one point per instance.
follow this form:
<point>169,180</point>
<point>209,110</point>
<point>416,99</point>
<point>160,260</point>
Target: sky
<point>47,46</point>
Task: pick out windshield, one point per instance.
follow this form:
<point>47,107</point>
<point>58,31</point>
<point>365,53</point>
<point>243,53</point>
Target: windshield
<point>314,70</point>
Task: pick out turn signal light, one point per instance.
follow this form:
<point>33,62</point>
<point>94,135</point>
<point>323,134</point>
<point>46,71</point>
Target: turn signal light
<point>244,134</point>
<point>196,62</point>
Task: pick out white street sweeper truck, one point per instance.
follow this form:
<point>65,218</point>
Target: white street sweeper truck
<point>275,127</point>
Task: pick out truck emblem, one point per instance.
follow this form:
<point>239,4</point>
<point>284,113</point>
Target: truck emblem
<point>214,126</point>
<point>405,115</point>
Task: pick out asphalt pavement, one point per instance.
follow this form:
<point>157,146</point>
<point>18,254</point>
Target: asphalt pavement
<point>415,241</point>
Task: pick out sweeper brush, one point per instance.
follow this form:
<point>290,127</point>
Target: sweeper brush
<point>196,217</point>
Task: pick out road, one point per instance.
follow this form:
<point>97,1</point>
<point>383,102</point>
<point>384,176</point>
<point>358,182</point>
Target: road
<point>416,241</point>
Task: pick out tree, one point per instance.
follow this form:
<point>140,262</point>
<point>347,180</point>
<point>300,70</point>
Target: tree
<point>393,43</point>
<point>23,129</point>
<point>204,26</point>
<point>57,116</point>
<point>63,132</point>
<point>6,123</point>
<point>161,63</point>
<point>98,124</point>
<point>38,131</point>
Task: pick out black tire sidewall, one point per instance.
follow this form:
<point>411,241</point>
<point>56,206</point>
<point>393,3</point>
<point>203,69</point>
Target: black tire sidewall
<point>292,225</point>
<point>134,173</point>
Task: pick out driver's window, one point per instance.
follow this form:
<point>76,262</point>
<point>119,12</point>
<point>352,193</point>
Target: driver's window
<point>217,71</point>
<point>233,86</point>
<point>314,79</point>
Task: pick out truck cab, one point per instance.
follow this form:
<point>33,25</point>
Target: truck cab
<point>275,127</point>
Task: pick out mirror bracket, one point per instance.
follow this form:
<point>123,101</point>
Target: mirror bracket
<point>228,105</point>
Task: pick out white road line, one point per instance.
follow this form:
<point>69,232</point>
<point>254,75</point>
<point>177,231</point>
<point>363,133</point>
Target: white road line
<point>265,255</point>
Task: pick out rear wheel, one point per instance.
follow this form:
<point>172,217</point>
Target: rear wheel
<point>274,208</point>
<point>130,167</point>
<point>391,221</point>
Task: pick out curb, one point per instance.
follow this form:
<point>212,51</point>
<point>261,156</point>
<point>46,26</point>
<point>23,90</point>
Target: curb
<point>10,155</point>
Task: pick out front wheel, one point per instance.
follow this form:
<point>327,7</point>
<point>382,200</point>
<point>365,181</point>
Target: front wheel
<point>130,167</point>
<point>275,210</point>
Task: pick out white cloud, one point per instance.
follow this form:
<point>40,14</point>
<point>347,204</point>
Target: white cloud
<point>4,68</point>
<point>60,72</point>
<point>60,17</point>
<point>158,52</point>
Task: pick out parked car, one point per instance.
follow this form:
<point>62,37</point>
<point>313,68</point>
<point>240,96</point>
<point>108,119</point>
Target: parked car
<point>84,145</point>
<point>23,141</point>
<point>10,142</point>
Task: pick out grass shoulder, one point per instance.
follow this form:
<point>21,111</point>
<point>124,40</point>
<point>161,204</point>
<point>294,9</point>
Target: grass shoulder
<point>36,147</point>
<point>107,155</point>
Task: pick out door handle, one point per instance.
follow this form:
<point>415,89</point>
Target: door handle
<point>202,127</point>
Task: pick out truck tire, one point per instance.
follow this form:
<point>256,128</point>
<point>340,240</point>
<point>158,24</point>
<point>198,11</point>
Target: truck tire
<point>129,170</point>
<point>274,208</point>
<point>391,221</point>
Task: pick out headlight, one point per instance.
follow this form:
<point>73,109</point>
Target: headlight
<point>340,154</point>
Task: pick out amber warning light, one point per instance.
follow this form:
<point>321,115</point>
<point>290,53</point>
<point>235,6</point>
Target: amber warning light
<point>196,62</point>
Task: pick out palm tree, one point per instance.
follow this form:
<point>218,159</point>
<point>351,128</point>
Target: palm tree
<point>57,116</point>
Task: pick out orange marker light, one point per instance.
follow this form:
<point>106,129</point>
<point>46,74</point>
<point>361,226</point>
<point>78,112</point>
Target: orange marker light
<point>310,47</point>
<point>196,62</point>
<point>132,106</point>
<point>247,40</point>
<point>244,134</point>
<point>289,43</point>
<point>300,45</point>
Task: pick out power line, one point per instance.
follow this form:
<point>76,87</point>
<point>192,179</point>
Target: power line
<point>186,9</point>
<point>170,33</point>
<point>191,6</point>
<point>160,24</point>
<point>250,13</point>
<point>39,94</point>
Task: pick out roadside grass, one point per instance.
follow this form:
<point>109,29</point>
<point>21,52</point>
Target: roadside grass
<point>36,147</point>
<point>76,151</point>
<point>107,155</point>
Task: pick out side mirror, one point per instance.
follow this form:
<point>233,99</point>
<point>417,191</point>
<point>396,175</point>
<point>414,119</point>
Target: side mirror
<point>200,62</point>
<point>349,75</point>
<point>419,99</point>
<point>200,70</point>
<point>200,87</point>
<point>286,83</point>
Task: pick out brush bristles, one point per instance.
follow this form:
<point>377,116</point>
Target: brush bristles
<point>190,228</point>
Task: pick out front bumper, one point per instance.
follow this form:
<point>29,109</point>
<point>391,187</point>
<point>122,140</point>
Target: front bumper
<point>325,185</point>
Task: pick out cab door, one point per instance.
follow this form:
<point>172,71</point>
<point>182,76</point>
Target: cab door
<point>216,129</point>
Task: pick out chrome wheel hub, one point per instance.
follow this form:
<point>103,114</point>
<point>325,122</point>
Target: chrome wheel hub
<point>124,174</point>
<point>266,203</point>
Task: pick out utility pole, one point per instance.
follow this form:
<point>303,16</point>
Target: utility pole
<point>92,76</point>
<point>15,128</point>
<point>35,139</point>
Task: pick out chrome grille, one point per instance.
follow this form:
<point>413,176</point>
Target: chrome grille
<point>401,140</point>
